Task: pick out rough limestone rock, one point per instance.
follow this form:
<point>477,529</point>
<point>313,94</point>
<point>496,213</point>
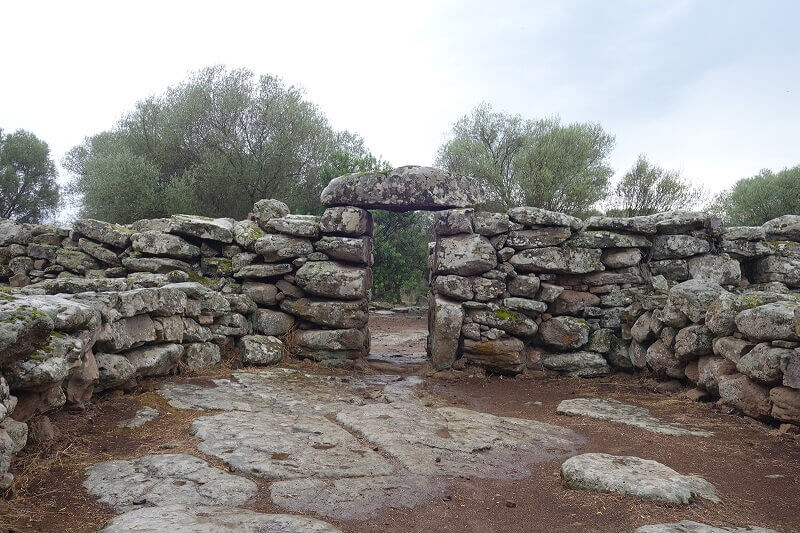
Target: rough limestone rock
<point>631,415</point>
<point>334,280</point>
<point>263,271</point>
<point>98,251</point>
<point>490,224</point>
<point>76,261</point>
<point>261,350</point>
<point>354,498</point>
<point>749,397</point>
<point>199,519</point>
<point>444,329</point>
<point>786,228</point>
<point>246,233</point>
<point>278,247</point>
<point>444,441</point>
<point>774,268</point>
<point>718,268</point>
<point>785,404</point>
<point>348,221</point>
<point>142,416</point>
<point>732,348</point>
<point>297,225</point>
<point>155,243</point>
<point>511,322</point>
<point>534,216</point>
<point>564,333</point>
<point>524,286</point>
<point>764,363</point>
<point>692,342</point>
<point>608,239</point>
<point>506,355</point>
<point>453,222</point>
<point>709,371</point>
<point>115,370</point>
<point>105,232</point>
<point>349,249</point>
<point>690,526</point>
<point>457,287</point>
<point>663,361</point>
<point>280,446</point>
<point>693,297</point>
<point>275,323</point>
<point>558,260</point>
<point>625,257</point>
<point>158,360</point>
<point>165,480</point>
<point>213,229</point>
<point>156,265</point>
<point>406,188</point>
<point>633,476</point>
<point>329,339</point>
<point>538,238</point>
<point>525,305</point>
<point>334,314</point>
<point>23,328</point>
<point>641,224</point>
<point>465,255</point>
<point>774,321</point>
<point>581,364</point>
<point>266,210</point>
<point>678,246</point>
<point>199,355</point>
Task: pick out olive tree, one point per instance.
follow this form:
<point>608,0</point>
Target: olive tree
<point>767,195</point>
<point>29,189</point>
<point>648,188</point>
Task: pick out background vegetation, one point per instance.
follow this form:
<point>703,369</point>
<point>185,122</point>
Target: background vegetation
<point>223,139</point>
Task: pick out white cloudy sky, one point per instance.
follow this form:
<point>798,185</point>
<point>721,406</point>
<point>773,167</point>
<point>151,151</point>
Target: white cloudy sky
<point>711,87</point>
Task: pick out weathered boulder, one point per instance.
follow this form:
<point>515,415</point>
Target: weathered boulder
<point>114,370</point>
<point>571,302</point>
<point>791,371</point>
<point>213,229</point>
<point>738,391</point>
<point>465,255</point>
<point>718,268</point>
<point>246,233</point>
<point>608,239</point>
<point>745,249</point>
<point>277,247</point>
<point>764,363</point>
<point>329,339</point>
<point>127,333</point>
<point>157,360</point>
<point>786,227</point>
<point>23,328</point>
<point>271,270</point>
<point>331,313</point>
<point>621,258</point>
<point>334,280</point>
<point>267,209</point>
<point>642,224</point>
<point>506,355</point>
<point>709,371</point>
<point>76,261</point>
<point>105,232</point>
<point>297,225</point>
<point>693,297</point>
<point>525,305</point>
<point>98,251</point>
<point>732,348</point>
<point>558,260</point>
<point>444,329</point>
<point>600,472</point>
<point>671,269</point>
<point>158,265</point>
<point>487,289</point>
<point>349,249</point>
<point>490,224</point>
<point>453,222</point>
<point>690,526</point>
<point>524,286</point>
<point>452,286</point>
<point>535,216</point>
<point>231,325</point>
<point>693,341</point>
<point>773,321</point>
<point>406,188</point>
<point>581,364</point>
<point>662,360</point>
<point>512,322</point>
<point>347,221</point>
<point>164,244</point>
<point>197,355</point>
<point>273,323</point>
<point>785,404</point>
<point>564,333</point>
<point>261,293</point>
<point>261,350</point>
<point>538,238</point>
<point>775,268</point>
<point>678,246</point>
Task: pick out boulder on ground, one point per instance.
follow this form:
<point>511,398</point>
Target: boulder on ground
<point>564,333</point>
<point>740,392</point>
<point>261,350</point>
<point>506,355</point>
<point>444,329</point>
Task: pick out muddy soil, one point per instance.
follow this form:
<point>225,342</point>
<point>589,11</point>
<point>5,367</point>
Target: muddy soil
<point>756,470</point>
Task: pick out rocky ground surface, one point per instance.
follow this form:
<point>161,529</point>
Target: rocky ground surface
<point>392,448</point>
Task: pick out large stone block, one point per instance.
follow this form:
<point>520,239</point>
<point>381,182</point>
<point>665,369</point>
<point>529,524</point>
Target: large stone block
<point>773,321</point>
<point>785,228</point>
<point>331,313</point>
<point>330,339</point>
<point>718,268</point>
<point>458,287</point>
<point>348,221</point>
<point>776,268</point>
<point>764,363</point>
<point>535,216</point>
<point>608,239</point>
<point>785,404</point>
<point>246,233</point>
<point>512,322</point>
<point>155,360</point>
<point>277,247</point>
<point>465,255</point>
<point>444,330</point>
<point>538,238</point>
<point>490,224</point>
<point>349,249</point>
<point>267,209</point>
<point>334,280</point>
<point>581,364</point>
<point>115,370</point>
<point>297,225</point>
<point>273,323</point>
<point>163,244</point>
<point>261,350</point>
<point>564,333</point>
<point>453,222</point>
<point>105,232</point>
<point>678,246</point>
<point>693,297</point>
<point>407,188</point>
<point>558,260</point>
<point>506,355</point>
<point>738,391</point>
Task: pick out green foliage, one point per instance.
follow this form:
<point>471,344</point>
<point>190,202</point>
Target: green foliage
<point>757,199</point>
<point>647,188</point>
<point>541,163</point>
<point>401,254</point>
<point>214,144</point>
<point>29,191</point>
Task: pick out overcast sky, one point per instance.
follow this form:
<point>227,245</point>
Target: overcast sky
<point>710,87</point>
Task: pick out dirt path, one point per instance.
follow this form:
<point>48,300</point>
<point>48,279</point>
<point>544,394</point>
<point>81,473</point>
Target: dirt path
<point>756,472</point>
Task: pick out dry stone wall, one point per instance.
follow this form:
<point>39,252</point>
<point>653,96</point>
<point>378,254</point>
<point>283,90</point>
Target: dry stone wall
<point>676,294</point>
<point>99,306</point>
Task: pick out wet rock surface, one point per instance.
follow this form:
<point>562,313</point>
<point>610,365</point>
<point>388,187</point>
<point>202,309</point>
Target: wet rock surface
<point>631,415</point>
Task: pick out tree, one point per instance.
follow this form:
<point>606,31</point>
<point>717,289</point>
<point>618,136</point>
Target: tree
<point>29,191</point>
<point>757,199</point>
<point>541,163</point>
<point>215,143</point>
<point>401,254</point>
<point>647,188</point>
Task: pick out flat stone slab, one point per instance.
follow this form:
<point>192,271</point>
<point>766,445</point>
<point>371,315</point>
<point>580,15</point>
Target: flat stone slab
<point>164,480</point>
<point>354,498</point>
<point>651,480</point>
<point>199,519</point>
<point>690,526</point>
<point>615,411</point>
<point>286,446</point>
<point>142,416</point>
<point>283,389</point>
<point>450,441</point>
<point>406,188</point>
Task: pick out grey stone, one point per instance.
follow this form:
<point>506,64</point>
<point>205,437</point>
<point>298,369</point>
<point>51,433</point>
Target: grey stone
<point>633,476</point>
<point>671,269</point>
<point>678,246</point>
<point>718,268</point>
<point>538,238</point>
<point>465,255</point>
<point>329,339</point>
<point>349,249</point>
<point>680,221</point>
<point>261,293</point>
<point>453,222</point>
<point>525,305</point>
<point>406,188</point>
<point>164,480</point>
<point>213,229</point>
<point>524,286</point>
<point>198,519</point>
<point>693,341</point>
<point>261,350</point>
<point>158,265</point>
<point>445,320</point>
<point>505,355</point>
<point>486,290</point>
<point>105,232</point>
<point>693,297</point>
<point>534,216</point>
<point>710,369</point>
<point>266,210</point>
<point>625,257</point>
<point>348,221</point>
<point>115,370</point>
<point>763,363</point>
<point>278,247</point>
<point>197,355</point>
<point>76,261</point>
<point>274,323</point>
<point>164,244</point>
<point>608,239</point>
<point>296,225</point>
<point>738,391</point>
<point>564,333</point>
<point>773,321</point>
<point>98,251</point>
<point>128,333</point>
<point>690,526</point>
<point>786,227</point>
<point>640,224</point>
<point>619,412</point>
<point>775,268</point>
<point>558,260</point>
<point>663,361</point>
<point>142,417</point>
<point>549,292</point>
<point>452,286</point>
<point>155,360</point>
<point>263,271</point>
<point>335,314</point>
<point>745,249</point>
<point>732,348</point>
<point>334,280</point>
<point>580,364</point>
<point>246,233</point>
<point>490,224</point>
<point>509,321</point>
